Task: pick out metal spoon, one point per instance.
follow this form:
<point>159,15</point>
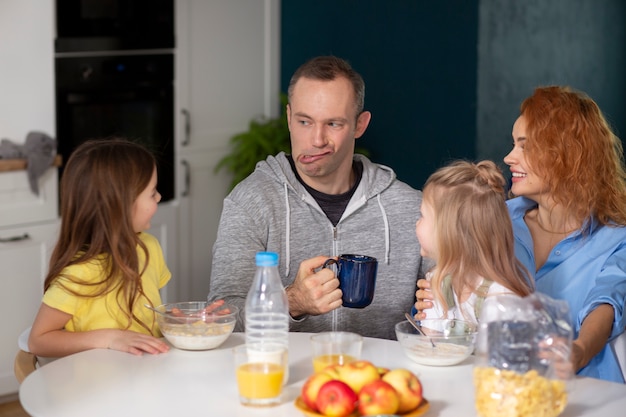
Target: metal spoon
<point>418,328</point>
<point>148,306</point>
<point>174,313</point>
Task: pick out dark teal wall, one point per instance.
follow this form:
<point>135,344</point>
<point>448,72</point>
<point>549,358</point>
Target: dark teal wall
<point>524,44</point>
<point>445,78</point>
<point>418,59</point>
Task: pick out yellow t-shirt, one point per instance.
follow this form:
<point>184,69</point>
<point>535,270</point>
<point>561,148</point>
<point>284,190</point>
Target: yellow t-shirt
<point>103,312</point>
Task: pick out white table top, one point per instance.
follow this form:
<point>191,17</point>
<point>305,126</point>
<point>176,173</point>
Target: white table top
<point>179,383</point>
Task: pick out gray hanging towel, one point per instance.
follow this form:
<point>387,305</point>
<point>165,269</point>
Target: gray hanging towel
<point>39,150</point>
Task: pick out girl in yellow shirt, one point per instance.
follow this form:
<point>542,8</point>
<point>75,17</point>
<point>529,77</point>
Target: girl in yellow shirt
<point>104,267</point>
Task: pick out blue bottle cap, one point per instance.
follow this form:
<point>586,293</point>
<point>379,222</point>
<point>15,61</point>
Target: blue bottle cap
<point>266,259</point>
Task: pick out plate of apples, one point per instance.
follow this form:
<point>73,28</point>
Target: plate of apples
<point>360,388</point>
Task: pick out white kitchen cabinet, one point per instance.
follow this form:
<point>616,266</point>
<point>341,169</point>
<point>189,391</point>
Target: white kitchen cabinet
<point>227,73</point>
<point>26,104</point>
<point>19,205</point>
<point>24,258</point>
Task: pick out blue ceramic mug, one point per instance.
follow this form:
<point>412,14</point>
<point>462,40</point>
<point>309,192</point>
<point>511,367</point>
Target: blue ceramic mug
<point>357,279</point>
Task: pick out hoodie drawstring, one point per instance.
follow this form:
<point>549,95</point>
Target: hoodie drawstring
<point>287,230</point>
<point>387,232</point>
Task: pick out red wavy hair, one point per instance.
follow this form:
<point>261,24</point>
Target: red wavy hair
<point>571,145</point>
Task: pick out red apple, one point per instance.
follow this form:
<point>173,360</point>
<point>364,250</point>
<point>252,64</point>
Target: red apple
<point>336,399</point>
<point>357,374</point>
<point>311,388</point>
<point>378,397</point>
<point>408,387</point>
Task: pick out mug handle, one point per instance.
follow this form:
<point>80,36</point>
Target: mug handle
<point>329,262</point>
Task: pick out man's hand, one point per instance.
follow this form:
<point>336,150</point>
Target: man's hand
<point>423,296</point>
<point>313,292</point>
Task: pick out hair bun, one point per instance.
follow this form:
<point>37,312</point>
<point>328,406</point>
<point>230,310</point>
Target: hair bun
<point>489,172</point>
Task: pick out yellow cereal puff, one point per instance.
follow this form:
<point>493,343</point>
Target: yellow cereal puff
<point>504,393</point>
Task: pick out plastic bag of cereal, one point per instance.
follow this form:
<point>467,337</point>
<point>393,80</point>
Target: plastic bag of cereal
<point>522,357</point>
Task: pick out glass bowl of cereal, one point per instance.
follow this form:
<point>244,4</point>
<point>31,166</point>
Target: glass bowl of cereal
<point>444,342</point>
<point>196,325</point>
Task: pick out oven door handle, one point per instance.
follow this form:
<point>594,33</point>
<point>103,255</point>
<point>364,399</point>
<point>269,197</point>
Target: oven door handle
<point>185,192</point>
<point>187,117</point>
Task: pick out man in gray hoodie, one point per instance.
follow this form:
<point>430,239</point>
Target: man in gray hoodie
<point>319,202</point>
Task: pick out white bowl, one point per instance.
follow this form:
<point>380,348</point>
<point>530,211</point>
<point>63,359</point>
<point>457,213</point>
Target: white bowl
<point>188,326</point>
<point>453,341</point>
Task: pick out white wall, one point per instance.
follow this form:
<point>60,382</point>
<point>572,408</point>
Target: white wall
<point>26,68</point>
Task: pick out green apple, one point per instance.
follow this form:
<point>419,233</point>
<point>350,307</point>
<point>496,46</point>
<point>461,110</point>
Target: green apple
<point>357,374</point>
<point>408,387</point>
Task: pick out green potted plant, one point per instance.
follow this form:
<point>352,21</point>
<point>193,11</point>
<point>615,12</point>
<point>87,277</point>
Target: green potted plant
<point>264,137</point>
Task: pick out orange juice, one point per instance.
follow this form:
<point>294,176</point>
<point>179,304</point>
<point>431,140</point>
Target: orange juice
<point>260,380</point>
<point>322,361</point>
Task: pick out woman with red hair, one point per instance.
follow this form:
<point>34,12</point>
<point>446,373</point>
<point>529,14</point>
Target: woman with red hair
<point>568,173</point>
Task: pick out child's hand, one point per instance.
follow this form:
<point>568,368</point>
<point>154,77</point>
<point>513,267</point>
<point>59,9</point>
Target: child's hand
<point>558,351</point>
<point>135,343</point>
<point>423,296</point>
<point>215,305</point>
<point>207,310</point>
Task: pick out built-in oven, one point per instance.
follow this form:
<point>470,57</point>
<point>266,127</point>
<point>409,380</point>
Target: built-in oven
<point>113,25</point>
<point>114,70</point>
<point>118,95</point>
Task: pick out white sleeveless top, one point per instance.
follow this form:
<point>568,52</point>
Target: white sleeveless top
<point>465,310</point>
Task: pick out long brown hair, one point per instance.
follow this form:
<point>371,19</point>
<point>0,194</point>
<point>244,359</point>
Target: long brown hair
<point>473,230</point>
<point>100,183</point>
<point>570,144</point>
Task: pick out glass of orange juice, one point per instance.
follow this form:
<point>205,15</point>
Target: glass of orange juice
<point>260,370</point>
<point>332,348</point>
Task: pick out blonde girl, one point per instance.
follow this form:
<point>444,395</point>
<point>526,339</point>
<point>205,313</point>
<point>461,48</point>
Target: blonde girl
<point>104,267</point>
<point>465,228</point>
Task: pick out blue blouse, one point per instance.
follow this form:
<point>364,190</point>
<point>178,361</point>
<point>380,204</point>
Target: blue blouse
<point>586,270</point>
